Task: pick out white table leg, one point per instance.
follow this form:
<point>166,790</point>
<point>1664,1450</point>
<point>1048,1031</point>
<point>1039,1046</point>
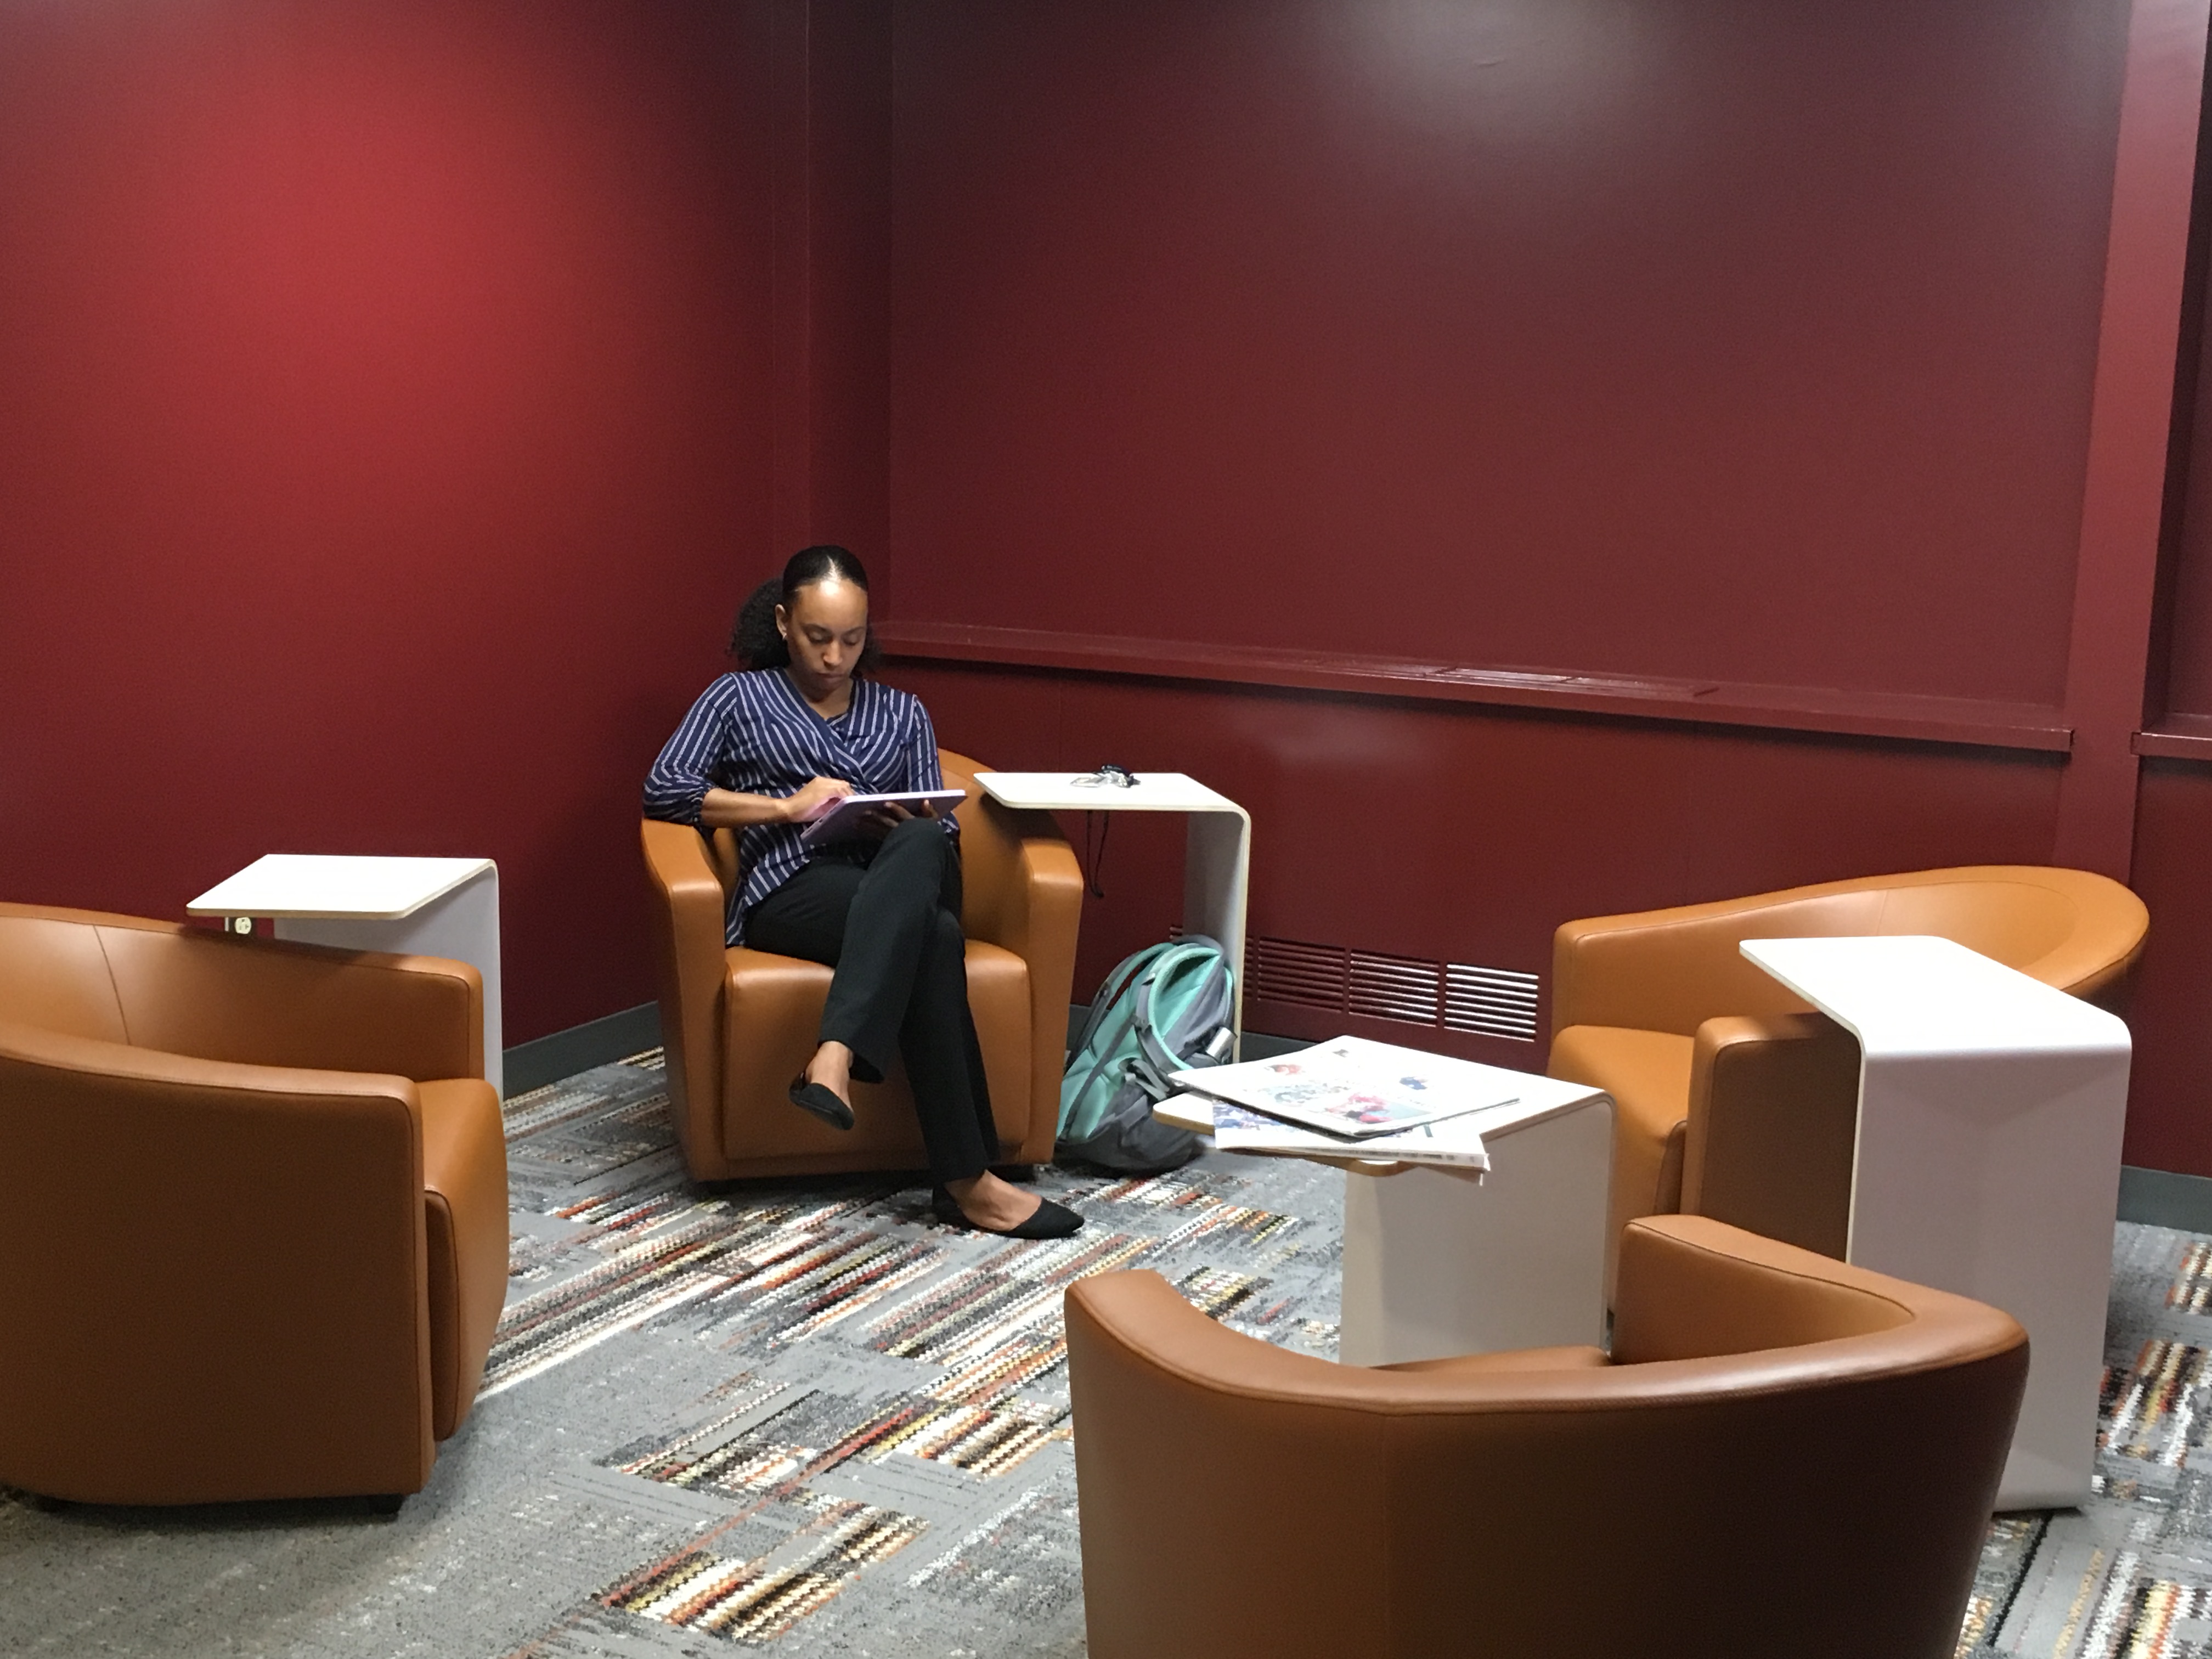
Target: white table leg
<point>1996,1175</point>
<point>464,925</point>
<point>1434,1265</point>
<point>1216,871</point>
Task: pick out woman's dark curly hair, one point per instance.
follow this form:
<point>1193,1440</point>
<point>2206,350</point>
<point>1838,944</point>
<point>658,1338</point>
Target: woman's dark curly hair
<point>754,639</point>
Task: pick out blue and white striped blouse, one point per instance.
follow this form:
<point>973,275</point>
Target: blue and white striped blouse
<point>755,734</point>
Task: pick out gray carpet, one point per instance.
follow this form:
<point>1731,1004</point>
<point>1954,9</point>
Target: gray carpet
<point>806,1417</point>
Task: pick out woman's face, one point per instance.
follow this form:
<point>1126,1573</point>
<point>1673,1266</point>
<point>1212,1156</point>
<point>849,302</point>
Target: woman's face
<point>825,625</point>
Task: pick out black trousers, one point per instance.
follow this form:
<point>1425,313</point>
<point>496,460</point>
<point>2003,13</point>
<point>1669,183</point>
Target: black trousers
<point>891,930</point>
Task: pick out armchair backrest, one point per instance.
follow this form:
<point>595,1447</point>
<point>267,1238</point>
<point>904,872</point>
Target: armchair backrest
<point>54,975</point>
<point>192,991</point>
<point>1689,1500</point>
<point>1671,971</point>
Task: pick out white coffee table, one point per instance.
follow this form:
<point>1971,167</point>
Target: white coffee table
<point>1988,1160</point>
<point>1437,1263</point>
<point>425,906</point>
<point>1217,855</point>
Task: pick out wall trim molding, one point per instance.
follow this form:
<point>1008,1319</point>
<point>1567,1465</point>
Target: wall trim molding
<point>1778,708</point>
<point>2177,737</point>
<point>2162,1198</point>
<point>601,1041</point>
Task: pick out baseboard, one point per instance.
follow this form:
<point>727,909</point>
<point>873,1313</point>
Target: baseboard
<point>546,1060</point>
<point>2159,1198</point>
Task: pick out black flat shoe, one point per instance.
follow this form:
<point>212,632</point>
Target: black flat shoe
<point>1048,1220</point>
<point>821,1100</point>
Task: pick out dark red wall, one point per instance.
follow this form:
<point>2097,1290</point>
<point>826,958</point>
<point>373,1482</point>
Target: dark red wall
<point>1695,338</point>
<point>1688,337</point>
<point>384,441</point>
<point>395,397</point>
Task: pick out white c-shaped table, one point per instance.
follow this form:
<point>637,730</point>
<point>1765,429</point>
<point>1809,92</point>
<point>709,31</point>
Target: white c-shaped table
<point>1218,856</point>
<point>425,906</point>
<point>1440,1261</point>
<point>1988,1160</point>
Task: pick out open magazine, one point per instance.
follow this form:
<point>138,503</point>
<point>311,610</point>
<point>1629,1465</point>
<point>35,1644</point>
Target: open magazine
<point>1352,1088</point>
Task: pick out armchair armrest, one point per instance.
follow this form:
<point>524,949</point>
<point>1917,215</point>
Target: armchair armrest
<point>265,1224</point>
<point>1773,1121</point>
<point>260,1002</point>
<point>1693,1289</point>
<point>1023,892</point>
<point>691,960</point>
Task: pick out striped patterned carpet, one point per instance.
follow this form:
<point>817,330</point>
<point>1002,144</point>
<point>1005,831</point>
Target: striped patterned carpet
<point>806,1417</point>
<point>878,1462</point>
<point>2130,1577</point>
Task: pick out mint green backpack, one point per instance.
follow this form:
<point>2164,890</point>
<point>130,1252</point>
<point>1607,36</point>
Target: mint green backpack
<point>1165,1009</point>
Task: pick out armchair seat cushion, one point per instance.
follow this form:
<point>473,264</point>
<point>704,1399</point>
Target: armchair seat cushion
<point>772,1010</point>
<point>1648,1075</point>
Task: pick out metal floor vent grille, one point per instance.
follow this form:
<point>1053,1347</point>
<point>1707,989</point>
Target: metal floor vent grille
<point>1451,996</point>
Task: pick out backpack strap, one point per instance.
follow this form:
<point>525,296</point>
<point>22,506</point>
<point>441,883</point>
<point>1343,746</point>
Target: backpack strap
<point>1191,951</point>
<point>1124,972</point>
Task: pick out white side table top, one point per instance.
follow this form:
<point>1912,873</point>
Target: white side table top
<point>1059,792</point>
<point>335,885</point>
<point>1911,993</point>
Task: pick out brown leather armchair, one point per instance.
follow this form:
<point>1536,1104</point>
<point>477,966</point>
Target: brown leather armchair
<point>739,1024</point>
<point>1781,1454</point>
<point>1735,1099</point>
<point>255,1240</point>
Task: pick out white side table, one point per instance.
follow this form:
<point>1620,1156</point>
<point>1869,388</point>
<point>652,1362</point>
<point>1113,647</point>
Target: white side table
<point>1988,1160</point>
<point>1437,1265</point>
<point>1218,856</point>
<point>427,906</point>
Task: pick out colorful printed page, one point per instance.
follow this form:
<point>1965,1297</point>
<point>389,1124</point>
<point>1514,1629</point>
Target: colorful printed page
<point>1354,1088</point>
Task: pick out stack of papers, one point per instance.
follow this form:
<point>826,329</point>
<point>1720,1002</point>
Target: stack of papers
<point>1237,1130</point>
<point>1349,1097</point>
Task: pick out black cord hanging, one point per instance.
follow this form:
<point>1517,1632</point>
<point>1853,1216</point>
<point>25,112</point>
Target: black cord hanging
<point>1096,826</point>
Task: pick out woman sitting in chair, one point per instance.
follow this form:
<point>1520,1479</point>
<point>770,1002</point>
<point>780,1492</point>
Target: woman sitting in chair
<point>765,752</point>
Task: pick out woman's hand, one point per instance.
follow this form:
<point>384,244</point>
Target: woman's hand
<point>732,809</point>
<point>815,797</point>
<point>888,816</point>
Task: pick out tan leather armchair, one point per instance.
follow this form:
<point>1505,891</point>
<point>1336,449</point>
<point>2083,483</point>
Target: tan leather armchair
<point>255,1240</point>
<point>737,1024</point>
<point>1736,1100</point>
<point>1782,1455</point>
